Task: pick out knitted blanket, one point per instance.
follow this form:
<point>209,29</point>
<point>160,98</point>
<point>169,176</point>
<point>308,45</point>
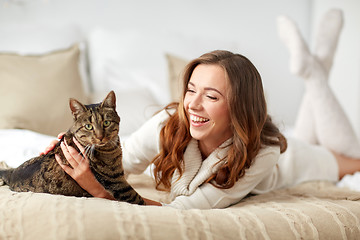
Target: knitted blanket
<point>313,210</point>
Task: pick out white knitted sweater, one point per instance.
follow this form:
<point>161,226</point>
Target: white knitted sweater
<point>264,175</point>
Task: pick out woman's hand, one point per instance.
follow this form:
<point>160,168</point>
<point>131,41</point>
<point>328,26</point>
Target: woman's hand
<point>80,170</point>
<point>151,202</point>
<point>52,144</point>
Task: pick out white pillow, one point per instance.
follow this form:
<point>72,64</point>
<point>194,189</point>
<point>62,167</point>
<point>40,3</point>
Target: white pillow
<point>37,39</point>
<point>143,53</point>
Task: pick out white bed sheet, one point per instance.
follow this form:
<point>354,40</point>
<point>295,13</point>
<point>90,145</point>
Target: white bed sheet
<point>18,145</point>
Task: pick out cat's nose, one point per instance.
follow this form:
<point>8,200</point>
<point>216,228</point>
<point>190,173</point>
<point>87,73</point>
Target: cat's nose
<point>99,135</point>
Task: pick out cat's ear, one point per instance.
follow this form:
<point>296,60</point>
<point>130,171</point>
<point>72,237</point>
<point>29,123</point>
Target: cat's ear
<point>109,101</point>
<point>76,107</point>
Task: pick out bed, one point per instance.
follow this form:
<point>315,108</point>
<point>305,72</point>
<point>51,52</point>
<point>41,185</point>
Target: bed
<point>68,64</point>
<point>313,210</point>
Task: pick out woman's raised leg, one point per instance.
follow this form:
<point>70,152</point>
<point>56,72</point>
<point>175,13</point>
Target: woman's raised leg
<point>321,114</point>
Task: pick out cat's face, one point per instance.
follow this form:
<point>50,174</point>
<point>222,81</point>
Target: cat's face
<point>97,124</point>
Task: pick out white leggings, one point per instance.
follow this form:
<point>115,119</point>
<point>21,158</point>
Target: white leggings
<point>321,119</point>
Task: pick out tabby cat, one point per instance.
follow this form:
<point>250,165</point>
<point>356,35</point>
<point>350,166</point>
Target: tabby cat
<point>96,128</point>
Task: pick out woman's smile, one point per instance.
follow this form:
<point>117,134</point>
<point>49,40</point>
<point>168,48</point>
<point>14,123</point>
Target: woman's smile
<point>198,121</point>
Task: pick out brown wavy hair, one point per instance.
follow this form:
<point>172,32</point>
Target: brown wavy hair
<point>251,124</point>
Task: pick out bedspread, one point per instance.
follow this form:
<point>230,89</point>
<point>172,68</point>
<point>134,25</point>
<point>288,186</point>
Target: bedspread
<point>313,210</point>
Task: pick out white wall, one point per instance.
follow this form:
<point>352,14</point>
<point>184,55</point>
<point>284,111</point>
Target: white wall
<point>345,75</point>
<point>251,23</point>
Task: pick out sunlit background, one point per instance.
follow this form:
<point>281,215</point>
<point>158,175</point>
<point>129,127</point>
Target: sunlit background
<point>246,26</point>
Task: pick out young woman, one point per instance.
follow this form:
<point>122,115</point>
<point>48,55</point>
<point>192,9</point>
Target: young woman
<point>218,144</point>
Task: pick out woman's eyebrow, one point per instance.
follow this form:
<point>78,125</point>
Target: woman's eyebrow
<point>207,88</point>
<point>213,89</point>
<point>190,83</point>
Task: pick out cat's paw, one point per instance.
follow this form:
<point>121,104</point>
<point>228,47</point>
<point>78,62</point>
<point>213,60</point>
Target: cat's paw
<point>3,165</point>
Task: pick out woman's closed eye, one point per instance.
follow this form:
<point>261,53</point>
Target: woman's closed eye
<point>190,90</point>
<point>211,97</point>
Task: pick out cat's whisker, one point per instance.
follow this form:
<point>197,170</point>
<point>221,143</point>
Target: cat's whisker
<point>92,150</point>
<point>88,150</point>
<point>113,143</point>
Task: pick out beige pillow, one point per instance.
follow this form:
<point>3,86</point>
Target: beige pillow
<point>35,90</point>
<point>176,66</point>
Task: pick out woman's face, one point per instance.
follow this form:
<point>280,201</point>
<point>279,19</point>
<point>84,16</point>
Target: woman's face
<point>206,105</point>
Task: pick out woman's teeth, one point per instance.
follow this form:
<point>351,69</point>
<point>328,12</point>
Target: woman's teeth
<point>198,119</point>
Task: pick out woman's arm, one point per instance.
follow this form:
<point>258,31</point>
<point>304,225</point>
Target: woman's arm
<point>143,145</point>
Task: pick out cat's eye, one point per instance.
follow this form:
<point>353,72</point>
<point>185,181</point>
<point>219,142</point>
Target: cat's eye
<point>106,123</point>
<point>89,126</point>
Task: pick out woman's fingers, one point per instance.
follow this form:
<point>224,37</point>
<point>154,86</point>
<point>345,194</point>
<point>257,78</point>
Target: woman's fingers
<point>79,157</point>
<point>69,155</point>
<point>50,147</point>
<point>66,168</point>
<point>80,170</point>
<point>73,156</point>
<point>82,149</point>
<point>60,135</point>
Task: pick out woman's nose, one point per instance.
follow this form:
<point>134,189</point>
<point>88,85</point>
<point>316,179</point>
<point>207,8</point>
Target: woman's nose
<point>195,102</point>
